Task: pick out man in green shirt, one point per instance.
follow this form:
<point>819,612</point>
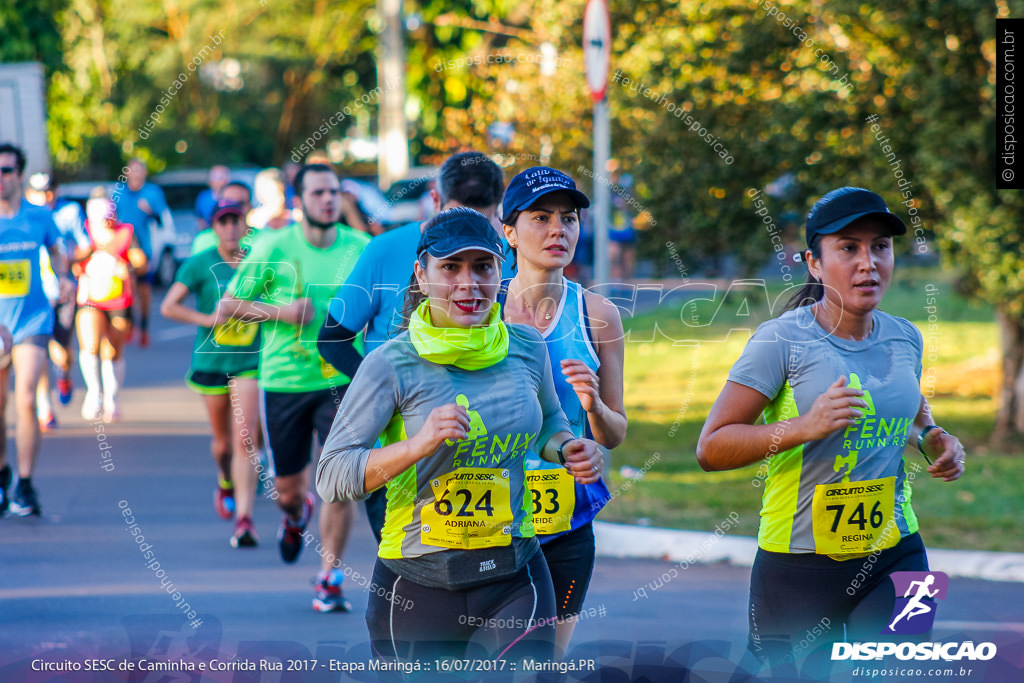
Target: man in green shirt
<point>286,283</point>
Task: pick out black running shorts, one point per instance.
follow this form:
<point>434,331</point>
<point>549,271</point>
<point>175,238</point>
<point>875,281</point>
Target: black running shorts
<point>289,420</point>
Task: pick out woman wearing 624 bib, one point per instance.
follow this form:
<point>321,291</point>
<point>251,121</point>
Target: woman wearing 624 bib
<point>837,382</point>
<point>458,401</point>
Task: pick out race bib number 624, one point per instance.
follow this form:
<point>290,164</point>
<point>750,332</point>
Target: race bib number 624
<point>471,509</point>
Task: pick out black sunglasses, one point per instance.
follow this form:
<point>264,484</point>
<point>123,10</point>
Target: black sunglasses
<point>8,169</point>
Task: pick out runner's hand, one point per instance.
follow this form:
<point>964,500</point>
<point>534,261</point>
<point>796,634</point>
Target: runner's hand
<point>584,382</point>
<point>838,408</point>
<point>450,421</point>
<point>7,340</point>
<point>298,312</point>
<point>67,289</point>
<point>949,465</point>
<point>583,460</point>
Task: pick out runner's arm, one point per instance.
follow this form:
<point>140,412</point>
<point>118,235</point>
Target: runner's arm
<point>337,346</point>
<point>173,308</point>
<point>350,467</point>
<point>730,440</point>
<point>298,312</point>
<point>607,415</point>
<point>946,451</point>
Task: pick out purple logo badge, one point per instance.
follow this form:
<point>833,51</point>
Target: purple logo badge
<point>916,592</point>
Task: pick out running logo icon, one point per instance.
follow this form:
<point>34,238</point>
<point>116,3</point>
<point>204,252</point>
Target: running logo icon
<point>916,592</point>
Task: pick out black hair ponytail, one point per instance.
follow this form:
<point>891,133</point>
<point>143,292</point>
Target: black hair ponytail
<point>812,291</point>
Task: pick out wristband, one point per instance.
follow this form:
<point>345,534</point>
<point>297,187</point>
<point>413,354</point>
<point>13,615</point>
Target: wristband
<point>561,458</point>
<point>924,433</point>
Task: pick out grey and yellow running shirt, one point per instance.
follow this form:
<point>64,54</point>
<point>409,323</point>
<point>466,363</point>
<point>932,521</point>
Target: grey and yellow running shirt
<point>847,494</point>
<point>470,493</point>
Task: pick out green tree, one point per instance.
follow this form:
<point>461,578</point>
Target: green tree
<point>786,90</point>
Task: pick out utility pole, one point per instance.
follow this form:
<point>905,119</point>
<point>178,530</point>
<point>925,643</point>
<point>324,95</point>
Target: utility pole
<point>392,131</point>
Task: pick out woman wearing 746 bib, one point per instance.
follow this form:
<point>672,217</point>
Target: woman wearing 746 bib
<point>837,382</point>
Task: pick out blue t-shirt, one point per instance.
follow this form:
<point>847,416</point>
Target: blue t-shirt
<point>374,293</point>
<point>128,211</point>
<point>70,220</point>
<point>24,308</point>
<point>206,202</point>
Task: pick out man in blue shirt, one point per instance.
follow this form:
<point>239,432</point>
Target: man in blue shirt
<point>374,293</point>
<point>26,312</point>
<point>208,198</point>
<point>139,203</point>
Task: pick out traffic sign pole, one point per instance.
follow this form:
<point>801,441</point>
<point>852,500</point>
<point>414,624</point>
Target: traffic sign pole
<point>597,41</point>
<point>602,194</point>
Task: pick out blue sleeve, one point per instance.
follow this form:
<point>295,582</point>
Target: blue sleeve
<point>357,301</point>
<point>159,202</point>
<point>77,224</point>
<point>51,233</point>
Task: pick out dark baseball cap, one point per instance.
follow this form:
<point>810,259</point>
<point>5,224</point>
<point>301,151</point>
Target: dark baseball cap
<point>840,207</point>
<point>533,183</point>
<point>455,230</point>
<point>225,208</point>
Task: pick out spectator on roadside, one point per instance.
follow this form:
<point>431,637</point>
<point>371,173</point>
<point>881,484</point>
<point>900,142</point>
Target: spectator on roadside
<point>208,198</point>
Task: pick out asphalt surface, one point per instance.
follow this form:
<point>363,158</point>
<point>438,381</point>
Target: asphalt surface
<point>75,587</point>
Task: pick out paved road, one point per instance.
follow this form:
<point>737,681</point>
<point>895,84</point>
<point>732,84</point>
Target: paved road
<point>74,586</point>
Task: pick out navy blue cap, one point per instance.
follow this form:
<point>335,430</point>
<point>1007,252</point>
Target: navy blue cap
<point>533,183</point>
<point>225,208</point>
<point>840,207</point>
<point>455,230</point>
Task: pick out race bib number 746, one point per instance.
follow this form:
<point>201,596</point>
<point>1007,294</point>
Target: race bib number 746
<point>854,516</point>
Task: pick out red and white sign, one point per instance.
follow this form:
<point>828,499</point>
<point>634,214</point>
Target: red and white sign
<point>597,47</point>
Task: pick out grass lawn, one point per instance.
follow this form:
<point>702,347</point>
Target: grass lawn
<point>677,360</point>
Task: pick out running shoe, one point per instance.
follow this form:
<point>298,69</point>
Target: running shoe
<point>245,534</point>
<point>64,390</point>
<point>111,412</point>
<point>144,339</point>
<point>224,500</point>
<point>5,483</point>
<point>290,534</point>
<point>327,595</point>
<point>92,407</point>
<point>25,501</point>
<point>47,422</point>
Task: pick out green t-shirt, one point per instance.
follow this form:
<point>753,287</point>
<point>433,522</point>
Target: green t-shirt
<point>281,267</point>
<point>232,347</point>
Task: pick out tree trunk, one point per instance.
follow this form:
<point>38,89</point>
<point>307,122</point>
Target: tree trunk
<point>1010,415</point>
